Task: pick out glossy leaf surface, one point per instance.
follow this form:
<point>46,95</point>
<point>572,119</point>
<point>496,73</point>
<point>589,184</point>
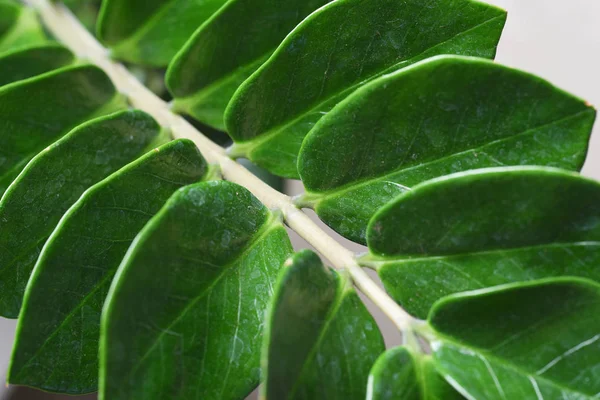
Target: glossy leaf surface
<point>337,49</point>
<point>57,337</point>
<point>185,313</point>
<point>321,341</point>
<point>226,50</point>
<point>28,62</point>
<point>530,341</point>
<point>38,111</point>
<point>150,32</point>
<point>485,228</point>
<point>401,374</point>
<point>444,115</point>
<point>18,26</point>
<point>53,181</point>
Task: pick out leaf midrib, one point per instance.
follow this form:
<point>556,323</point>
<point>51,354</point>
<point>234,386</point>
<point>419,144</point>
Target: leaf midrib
<point>115,103</point>
<point>380,262</point>
<point>67,319</point>
<point>26,252</point>
<point>351,186</point>
<point>143,29</point>
<point>268,227</point>
<point>509,364</point>
<point>331,315</point>
<point>206,91</point>
<point>43,238</point>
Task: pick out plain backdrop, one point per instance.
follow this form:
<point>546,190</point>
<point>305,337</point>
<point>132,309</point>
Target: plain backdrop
<point>555,39</point>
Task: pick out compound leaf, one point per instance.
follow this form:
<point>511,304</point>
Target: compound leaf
<point>444,115</point>
<point>334,105</point>
<point>335,50</point>
<point>484,228</point>
<point>54,180</point>
<point>185,312</point>
<point>151,32</point>
<point>400,373</point>
<point>58,332</point>
<point>321,341</point>
<point>38,111</point>
<point>23,63</point>
<point>539,340</point>
<point>226,50</point>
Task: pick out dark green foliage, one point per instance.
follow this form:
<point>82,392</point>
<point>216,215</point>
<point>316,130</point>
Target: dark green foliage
<point>321,341</point>
<point>184,316</point>
<point>404,374</point>
<point>28,62</point>
<point>150,32</point>
<point>336,50</point>
<point>485,228</point>
<point>153,280</point>
<point>38,111</point>
<point>226,50</point>
<point>527,341</point>
<point>53,181</point>
<point>444,115</point>
<point>57,337</point>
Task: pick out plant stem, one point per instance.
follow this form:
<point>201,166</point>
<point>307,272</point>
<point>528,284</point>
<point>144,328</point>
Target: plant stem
<point>68,30</point>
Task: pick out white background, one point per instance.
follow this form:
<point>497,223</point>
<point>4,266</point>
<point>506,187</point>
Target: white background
<point>556,39</point>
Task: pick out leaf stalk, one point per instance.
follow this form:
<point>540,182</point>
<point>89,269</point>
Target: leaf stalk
<point>69,31</point>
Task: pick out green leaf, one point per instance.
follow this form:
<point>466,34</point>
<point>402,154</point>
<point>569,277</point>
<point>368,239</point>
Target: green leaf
<point>151,32</point>
<point>19,26</point>
<point>321,341</point>
<point>538,340</point>
<point>334,51</point>
<point>184,316</point>
<point>86,11</point>
<point>57,337</point>
<point>401,374</point>
<point>485,228</point>
<point>443,115</point>
<point>28,62</point>
<point>38,111</point>
<point>53,181</point>
<point>226,50</point>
